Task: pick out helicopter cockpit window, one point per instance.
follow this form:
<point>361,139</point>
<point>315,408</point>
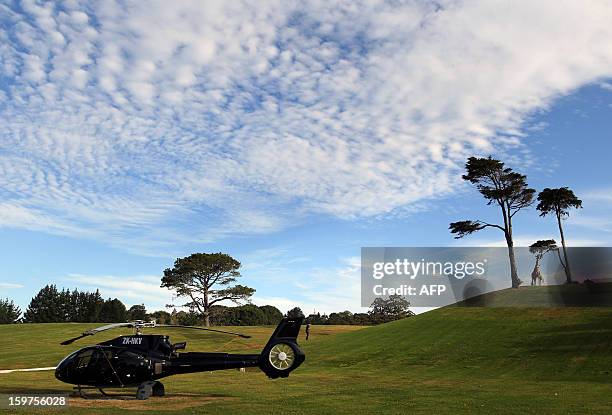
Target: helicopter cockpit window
<point>84,358</point>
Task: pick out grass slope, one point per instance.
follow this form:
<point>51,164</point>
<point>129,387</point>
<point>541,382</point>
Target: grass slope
<point>565,295</point>
<point>448,361</point>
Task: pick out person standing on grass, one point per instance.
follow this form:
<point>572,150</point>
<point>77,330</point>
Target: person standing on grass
<point>307,330</point>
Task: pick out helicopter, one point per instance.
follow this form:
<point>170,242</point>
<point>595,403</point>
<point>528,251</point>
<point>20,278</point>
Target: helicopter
<point>140,360</point>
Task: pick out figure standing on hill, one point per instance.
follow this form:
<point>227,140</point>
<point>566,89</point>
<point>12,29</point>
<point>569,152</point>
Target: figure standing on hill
<point>536,275</point>
<point>307,330</point>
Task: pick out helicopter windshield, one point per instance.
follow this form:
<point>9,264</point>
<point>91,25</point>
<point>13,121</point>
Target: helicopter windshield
<point>103,365</point>
<point>86,366</point>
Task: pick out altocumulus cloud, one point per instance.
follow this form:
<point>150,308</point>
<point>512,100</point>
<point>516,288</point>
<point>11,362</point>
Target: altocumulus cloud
<point>144,123</point>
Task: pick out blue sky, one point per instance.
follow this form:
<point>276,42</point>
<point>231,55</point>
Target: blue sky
<point>287,135</point>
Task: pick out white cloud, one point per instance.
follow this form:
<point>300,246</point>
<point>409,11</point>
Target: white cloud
<point>9,285</point>
<point>129,289</point>
<point>151,123</point>
<point>597,215</point>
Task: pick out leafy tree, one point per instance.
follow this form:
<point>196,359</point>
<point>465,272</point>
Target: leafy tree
<point>343,317</point>
<point>113,311</point>
<point>361,319</point>
<point>393,308</point>
<point>559,202</point>
<point>137,312</point>
<point>81,306</point>
<point>161,317</point>
<point>245,315</point>
<point>295,312</point>
<point>206,280</point>
<point>45,307</point>
<point>539,249</point>
<point>503,187</point>
<point>9,312</point>
<point>271,315</point>
<point>317,318</point>
<point>185,318</point>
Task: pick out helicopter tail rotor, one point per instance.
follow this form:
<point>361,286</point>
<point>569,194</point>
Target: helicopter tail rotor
<point>282,355</point>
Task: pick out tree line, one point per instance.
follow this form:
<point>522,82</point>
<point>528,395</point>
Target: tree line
<point>51,305</point>
<point>382,310</point>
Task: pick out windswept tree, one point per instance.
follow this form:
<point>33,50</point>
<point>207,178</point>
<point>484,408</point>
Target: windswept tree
<point>206,280</point>
<point>500,186</point>
<point>539,249</point>
<point>559,202</point>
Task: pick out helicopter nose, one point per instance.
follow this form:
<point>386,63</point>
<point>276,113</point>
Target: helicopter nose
<point>61,372</point>
<point>63,369</point>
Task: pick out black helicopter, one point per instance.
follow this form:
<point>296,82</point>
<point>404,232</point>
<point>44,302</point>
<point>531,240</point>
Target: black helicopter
<point>139,360</point>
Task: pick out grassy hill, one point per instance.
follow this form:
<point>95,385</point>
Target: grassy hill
<point>454,360</point>
<point>565,295</point>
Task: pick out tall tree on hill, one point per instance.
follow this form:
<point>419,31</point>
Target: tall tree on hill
<point>9,312</point>
<point>559,201</point>
<point>206,280</point>
<point>503,187</point>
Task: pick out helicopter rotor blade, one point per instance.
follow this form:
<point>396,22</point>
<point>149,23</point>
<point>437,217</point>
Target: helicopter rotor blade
<point>244,336</point>
<point>98,330</point>
<point>69,341</point>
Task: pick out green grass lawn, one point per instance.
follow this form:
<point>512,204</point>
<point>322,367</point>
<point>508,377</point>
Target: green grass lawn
<point>455,360</point>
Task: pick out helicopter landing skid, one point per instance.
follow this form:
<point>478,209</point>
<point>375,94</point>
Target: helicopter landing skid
<point>80,391</point>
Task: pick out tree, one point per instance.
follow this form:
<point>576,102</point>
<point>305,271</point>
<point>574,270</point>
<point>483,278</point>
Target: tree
<point>539,249</point>
<point>343,317</point>
<point>393,308</point>
<point>81,306</point>
<point>317,319</point>
<point>559,201</point>
<point>45,307</point>
<point>184,318</point>
<point>503,187</point>
<point>206,280</point>
<point>161,317</point>
<point>9,312</point>
<point>246,315</point>
<point>271,314</point>
<point>113,311</point>
<point>295,312</point>
<point>137,312</point>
